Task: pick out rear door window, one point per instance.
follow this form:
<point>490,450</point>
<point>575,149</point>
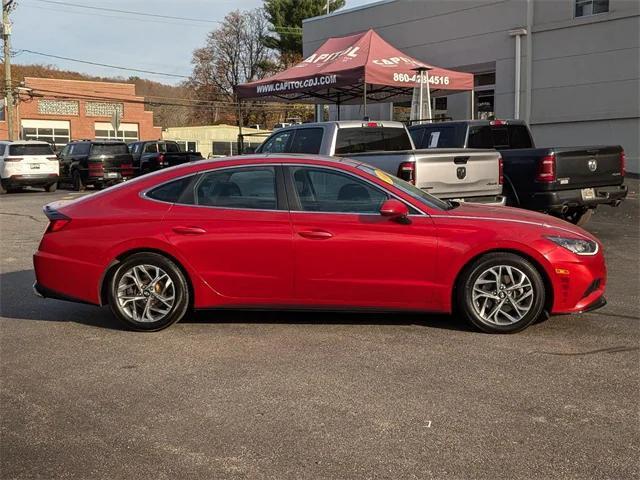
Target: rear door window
<point>170,192</point>
<point>25,149</point>
<point>245,188</point>
<point>371,139</point>
<point>307,140</point>
<point>109,149</point>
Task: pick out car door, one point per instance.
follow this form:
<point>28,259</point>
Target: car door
<point>65,161</point>
<point>347,254</point>
<point>234,230</point>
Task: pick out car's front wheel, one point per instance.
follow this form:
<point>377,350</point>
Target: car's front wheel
<point>501,293</point>
<point>148,292</point>
<point>52,187</point>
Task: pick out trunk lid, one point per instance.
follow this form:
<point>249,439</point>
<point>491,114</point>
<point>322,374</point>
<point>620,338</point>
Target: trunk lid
<point>458,173</point>
<point>31,159</point>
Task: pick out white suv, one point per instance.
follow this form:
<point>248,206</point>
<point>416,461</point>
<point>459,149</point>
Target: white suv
<point>28,163</point>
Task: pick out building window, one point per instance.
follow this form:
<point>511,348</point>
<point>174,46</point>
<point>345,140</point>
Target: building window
<point>57,133</point>
<point>58,107</point>
<point>591,7</point>
<point>127,132</point>
<point>484,85</point>
<point>102,109</point>
<point>187,146</point>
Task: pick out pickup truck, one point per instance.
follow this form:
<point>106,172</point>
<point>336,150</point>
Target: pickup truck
<point>568,182</point>
<point>149,156</point>
<point>450,174</point>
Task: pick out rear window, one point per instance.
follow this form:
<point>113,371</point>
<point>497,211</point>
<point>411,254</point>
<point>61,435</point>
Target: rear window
<point>480,137</point>
<point>38,149</point>
<point>506,137</point>
<point>109,149</point>
<point>169,147</point>
<point>439,137</point>
<point>371,139</point>
<point>306,140</point>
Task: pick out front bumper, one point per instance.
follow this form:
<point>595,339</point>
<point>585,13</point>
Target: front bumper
<point>558,200</point>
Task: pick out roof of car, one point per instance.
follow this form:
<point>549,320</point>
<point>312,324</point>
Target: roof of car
<point>24,142</point>
<point>288,158</point>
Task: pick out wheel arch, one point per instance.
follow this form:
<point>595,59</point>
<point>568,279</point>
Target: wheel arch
<point>111,268</point>
<point>546,280</point>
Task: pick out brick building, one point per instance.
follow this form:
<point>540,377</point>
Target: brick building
<point>58,111</point>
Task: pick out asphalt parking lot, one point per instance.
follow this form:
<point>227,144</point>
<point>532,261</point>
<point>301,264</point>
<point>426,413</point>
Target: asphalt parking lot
<point>298,395</point>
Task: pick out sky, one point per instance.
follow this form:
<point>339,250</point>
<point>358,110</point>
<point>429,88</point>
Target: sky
<point>154,44</point>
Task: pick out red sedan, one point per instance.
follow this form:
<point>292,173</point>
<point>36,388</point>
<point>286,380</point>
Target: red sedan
<point>306,232</point>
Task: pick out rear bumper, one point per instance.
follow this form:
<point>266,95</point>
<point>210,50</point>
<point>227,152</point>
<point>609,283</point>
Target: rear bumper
<point>499,200</point>
<point>30,179</point>
<point>561,199</point>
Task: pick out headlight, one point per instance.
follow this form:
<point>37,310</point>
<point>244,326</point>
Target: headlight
<point>579,246</point>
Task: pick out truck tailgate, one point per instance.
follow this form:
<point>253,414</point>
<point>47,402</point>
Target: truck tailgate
<point>588,166</point>
<point>458,173</point>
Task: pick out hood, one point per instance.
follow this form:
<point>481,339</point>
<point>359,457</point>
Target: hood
<point>518,215</point>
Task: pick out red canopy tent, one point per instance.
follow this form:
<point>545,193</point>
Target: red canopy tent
<point>355,69</point>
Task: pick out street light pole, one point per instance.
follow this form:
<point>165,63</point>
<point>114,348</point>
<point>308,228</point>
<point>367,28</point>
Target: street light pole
<point>8,90</point>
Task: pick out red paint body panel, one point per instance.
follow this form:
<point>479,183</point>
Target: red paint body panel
<point>238,257</point>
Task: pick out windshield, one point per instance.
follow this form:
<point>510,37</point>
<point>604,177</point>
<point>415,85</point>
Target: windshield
<point>33,149</point>
<point>409,189</point>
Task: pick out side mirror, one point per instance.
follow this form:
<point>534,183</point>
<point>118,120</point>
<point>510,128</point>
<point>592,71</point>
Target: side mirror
<point>395,210</point>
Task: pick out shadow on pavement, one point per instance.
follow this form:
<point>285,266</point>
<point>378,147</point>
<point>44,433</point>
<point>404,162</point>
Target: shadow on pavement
<point>17,301</point>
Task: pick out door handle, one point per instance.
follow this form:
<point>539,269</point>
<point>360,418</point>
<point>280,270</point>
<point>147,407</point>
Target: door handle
<point>189,230</point>
<point>316,234</point>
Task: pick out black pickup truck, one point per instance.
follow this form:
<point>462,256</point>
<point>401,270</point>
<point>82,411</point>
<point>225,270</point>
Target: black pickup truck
<point>149,156</point>
<point>568,182</point>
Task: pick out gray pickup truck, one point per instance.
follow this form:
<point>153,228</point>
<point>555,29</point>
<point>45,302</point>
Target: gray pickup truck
<point>450,173</point>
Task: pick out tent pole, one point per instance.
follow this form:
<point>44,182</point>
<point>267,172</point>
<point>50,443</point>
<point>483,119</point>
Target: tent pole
<point>240,137</point>
<point>365,98</point>
<point>426,79</point>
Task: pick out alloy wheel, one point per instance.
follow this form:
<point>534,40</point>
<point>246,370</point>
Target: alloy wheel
<point>502,295</point>
<point>146,293</point>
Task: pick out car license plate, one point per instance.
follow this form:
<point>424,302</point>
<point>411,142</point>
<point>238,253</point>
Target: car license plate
<point>35,166</point>
<point>588,194</point>
<point>111,175</point>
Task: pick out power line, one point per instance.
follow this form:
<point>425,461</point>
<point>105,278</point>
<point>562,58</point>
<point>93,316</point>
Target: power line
<point>151,72</point>
<point>289,30</point>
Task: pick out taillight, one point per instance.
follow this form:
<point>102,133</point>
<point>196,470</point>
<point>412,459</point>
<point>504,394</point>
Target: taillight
<point>372,124</point>
<point>497,122</point>
<point>161,159</point>
<point>547,169</point>
<point>500,171</point>
<point>57,220</point>
<point>623,163</point>
<point>57,225</point>
<point>13,159</point>
<point>406,171</point>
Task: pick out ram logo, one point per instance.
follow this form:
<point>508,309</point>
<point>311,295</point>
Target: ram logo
<point>461,172</point>
<point>593,164</point>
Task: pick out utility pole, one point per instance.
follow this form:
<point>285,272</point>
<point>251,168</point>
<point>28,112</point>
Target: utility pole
<point>8,88</point>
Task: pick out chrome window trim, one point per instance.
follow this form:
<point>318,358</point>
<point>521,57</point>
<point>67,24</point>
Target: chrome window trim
<point>143,193</point>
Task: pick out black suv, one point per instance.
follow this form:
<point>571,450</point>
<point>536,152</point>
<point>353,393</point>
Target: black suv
<point>94,162</point>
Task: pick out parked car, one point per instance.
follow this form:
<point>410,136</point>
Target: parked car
<point>150,156</point>
<point>454,174</point>
<point>95,163</point>
<point>568,182</point>
<point>306,232</point>
<point>28,163</point>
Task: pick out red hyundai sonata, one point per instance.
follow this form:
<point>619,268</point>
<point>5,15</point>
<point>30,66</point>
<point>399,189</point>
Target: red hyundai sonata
<point>307,232</point>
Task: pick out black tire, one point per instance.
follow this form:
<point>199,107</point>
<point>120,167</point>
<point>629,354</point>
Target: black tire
<point>78,185</point>
<point>578,216</point>
<point>464,292</point>
<point>180,285</point>
<point>2,189</point>
<point>52,187</point>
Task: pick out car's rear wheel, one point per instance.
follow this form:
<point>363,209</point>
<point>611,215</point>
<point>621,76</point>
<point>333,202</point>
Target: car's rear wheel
<point>148,292</point>
<point>52,187</point>
<point>78,184</point>
<point>501,293</point>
